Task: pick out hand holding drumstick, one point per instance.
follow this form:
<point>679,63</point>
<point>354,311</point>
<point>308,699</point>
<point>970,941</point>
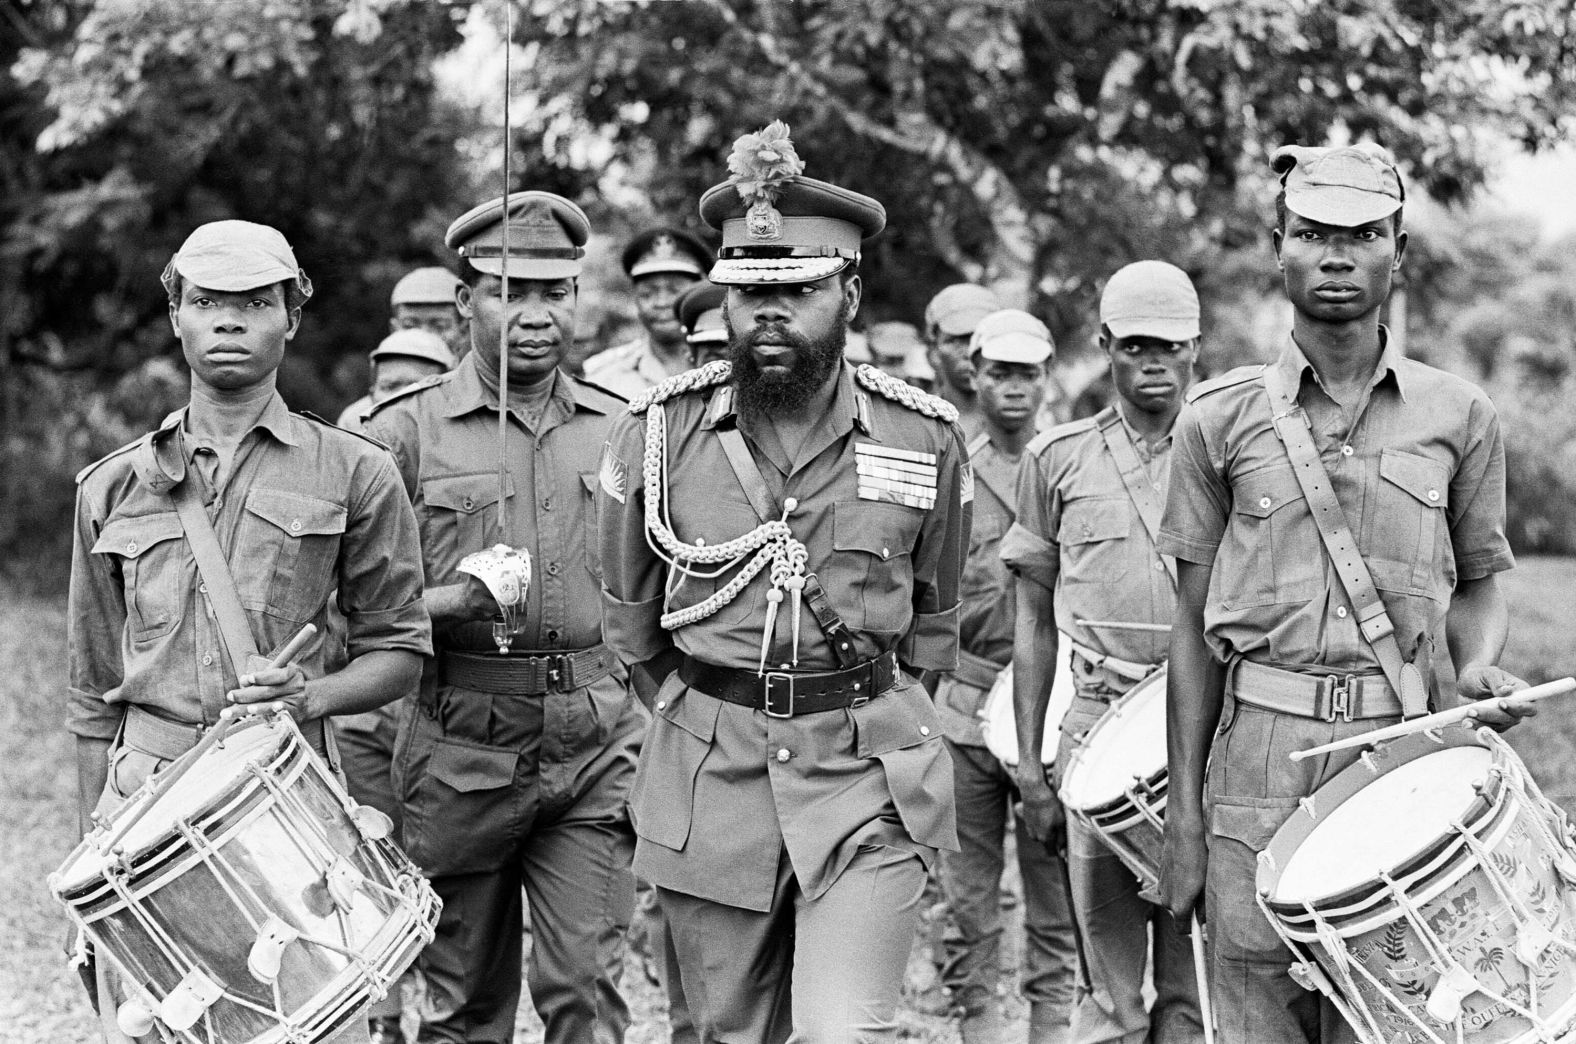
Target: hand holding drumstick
<point>280,680</point>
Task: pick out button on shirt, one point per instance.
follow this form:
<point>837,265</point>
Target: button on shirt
<point>444,436</point>
<point>1423,490</point>
<point>303,509</point>
<point>1079,534</point>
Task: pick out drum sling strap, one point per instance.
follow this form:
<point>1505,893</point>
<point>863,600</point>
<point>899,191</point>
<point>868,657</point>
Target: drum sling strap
<point>1295,432</point>
<point>838,637</point>
<point>234,631</point>
<point>1135,479</point>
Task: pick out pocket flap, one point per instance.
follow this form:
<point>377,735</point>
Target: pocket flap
<point>696,717</point>
<point>464,493</point>
<point>1253,825</point>
<point>902,717</point>
<point>468,768</point>
<point>1423,478</point>
<point>1266,491</point>
<point>1086,521</point>
<point>297,515</point>
<point>590,480</point>
<point>883,530</point>
<point>130,537</point>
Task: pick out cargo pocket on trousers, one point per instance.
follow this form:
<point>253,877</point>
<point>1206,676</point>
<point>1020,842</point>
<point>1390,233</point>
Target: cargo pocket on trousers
<point>461,816</point>
<point>1240,928</point>
<point>662,801</point>
<point>900,730</point>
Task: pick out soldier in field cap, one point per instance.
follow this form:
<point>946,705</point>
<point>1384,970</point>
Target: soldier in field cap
<point>423,299</point>
<point>661,264</point>
<point>950,319</point>
<point>705,329</point>
<point>514,769</point>
<point>1279,645</point>
<point>793,789</point>
<point>299,508</point>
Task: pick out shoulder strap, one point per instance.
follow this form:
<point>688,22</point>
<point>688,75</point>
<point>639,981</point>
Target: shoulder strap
<point>1008,498</point>
<point>234,630</point>
<point>1291,425</point>
<point>1140,490</point>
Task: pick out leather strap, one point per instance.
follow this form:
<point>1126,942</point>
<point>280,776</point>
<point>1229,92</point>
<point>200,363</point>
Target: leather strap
<point>1135,478</point>
<point>784,694</point>
<point>234,630</point>
<point>1295,432</point>
<point>837,633</point>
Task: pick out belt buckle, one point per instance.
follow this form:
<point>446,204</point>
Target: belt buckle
<point>1340,697</point>
<point>778,682</point>
<point>561,673</point>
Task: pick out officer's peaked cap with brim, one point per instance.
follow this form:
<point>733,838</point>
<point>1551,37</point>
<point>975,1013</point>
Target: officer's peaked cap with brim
<point>658,251</point>
<point>699,311</point>
<point>779,226</point>
<point>547,236</point>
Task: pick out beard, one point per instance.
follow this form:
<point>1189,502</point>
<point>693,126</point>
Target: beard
<point>777,391</point>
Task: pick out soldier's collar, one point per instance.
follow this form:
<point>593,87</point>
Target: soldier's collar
<point>161,456</point>
<point>1294,364</point>
<point>850,406</point>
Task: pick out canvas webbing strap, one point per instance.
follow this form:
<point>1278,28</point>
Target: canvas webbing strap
<point>1135,479</point>
<point>234,631</point>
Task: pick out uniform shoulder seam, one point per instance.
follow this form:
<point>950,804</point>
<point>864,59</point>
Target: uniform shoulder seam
<point>713,373</point>
<point>363,436</point>
<point>411,389</point>
<point>1229,379</point>
<point>1038,444</point>
<point>106,458</point>
<point>905,394</point>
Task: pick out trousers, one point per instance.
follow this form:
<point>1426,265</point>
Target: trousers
<point>504,792</point>
<point>826,970</point>
<point>971,878</point>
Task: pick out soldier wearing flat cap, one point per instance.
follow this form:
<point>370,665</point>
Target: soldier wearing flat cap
<point>514,767</point>
<point>298,509</point>
<point>1279,646</point>
<point>400,360</point>
<point>1083,549</point>
<point>424,299</point>
<point>661,264</point>
<point>950,319</point>
<point>782,536</point>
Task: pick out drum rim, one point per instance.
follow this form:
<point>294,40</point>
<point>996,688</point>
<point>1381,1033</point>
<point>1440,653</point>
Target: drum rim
<point>1079,754</point>
<point>1300,824</point>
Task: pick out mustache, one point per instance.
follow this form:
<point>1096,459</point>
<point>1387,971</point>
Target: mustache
<point>776,335</point>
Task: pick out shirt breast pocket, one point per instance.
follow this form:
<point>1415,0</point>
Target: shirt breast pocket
<point>714,523</point>
<point>462,512</point>
<point>153,571</point>
<point>1405,527</point>
<point>873,572</point>
<point>289,544</point>
<point>1091,533</point>
<point>1277,555</point>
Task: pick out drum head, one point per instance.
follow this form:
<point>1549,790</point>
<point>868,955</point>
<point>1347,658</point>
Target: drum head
<point>219,771</point>
<point>1385,823</point>
<point>1128,743</point>
<point>1001,728</point>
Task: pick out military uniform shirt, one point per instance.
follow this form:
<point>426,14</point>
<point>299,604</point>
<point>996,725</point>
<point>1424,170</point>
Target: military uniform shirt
<point>627,369</point>
<point>1079,534</point>
<point>305,509</point>
<point>1418,468</point>
<point>444,434</point>
<point>723,790</point>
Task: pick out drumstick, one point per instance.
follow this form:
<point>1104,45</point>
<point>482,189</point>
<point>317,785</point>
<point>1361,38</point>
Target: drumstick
<point>293,647</point>
<point>1206,1009</point>
<point>1118,625</point>
<point>1444,717</point>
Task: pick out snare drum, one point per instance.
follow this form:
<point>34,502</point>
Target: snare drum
<point>1001,727</point>
<point>1430,891</point>
<point>242,896</point>
<point>1115,780</point>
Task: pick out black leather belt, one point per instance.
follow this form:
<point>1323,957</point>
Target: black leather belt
<point>524,673</point>
<point>783,694</point>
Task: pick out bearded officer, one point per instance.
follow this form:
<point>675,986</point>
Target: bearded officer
<point>515,769</point>
<point>782,539</point>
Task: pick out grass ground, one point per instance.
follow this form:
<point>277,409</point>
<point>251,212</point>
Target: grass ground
<point>41,1001</point>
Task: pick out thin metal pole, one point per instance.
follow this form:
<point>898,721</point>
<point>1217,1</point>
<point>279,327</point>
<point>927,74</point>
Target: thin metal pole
<point>503,291</point>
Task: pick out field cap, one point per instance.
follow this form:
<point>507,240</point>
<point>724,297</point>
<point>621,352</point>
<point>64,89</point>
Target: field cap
<point>432,285</point>
<point>958,309</point>
<point>699,311</point>
<point>1012,336</point>
<point>235,255</point>
<point>415,344</point>
<point>666,250</point>
<point>891,341</point>
<point>1150,299</point>
<point>779,226</point>
<point>547,236</point>
<point>1347,186</point>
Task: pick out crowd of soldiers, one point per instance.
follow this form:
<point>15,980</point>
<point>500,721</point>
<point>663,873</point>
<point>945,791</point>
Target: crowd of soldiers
<point>771,592</point>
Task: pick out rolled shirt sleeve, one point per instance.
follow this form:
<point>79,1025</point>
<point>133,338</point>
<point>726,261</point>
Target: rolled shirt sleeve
<point>95,626</point>
<point>931,641</point>
<point>632,574</point>
<point>1477,499</point>
<point>1029,549</point>
<point>1198,499</point>
<point>380,571</point>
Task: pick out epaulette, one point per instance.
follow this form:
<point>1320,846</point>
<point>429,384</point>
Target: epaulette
<point>586,382</point>
<point>411,389</point>
<point>713,373</point>
<point>363,436</point>
<point>1229,379</point>
<point>889,387</point>
<point>106,458</point>
<point>1061,431</point>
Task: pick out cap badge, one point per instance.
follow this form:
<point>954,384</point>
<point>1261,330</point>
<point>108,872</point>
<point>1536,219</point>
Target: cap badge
<point>758,167</point>
<point>663,248</point>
